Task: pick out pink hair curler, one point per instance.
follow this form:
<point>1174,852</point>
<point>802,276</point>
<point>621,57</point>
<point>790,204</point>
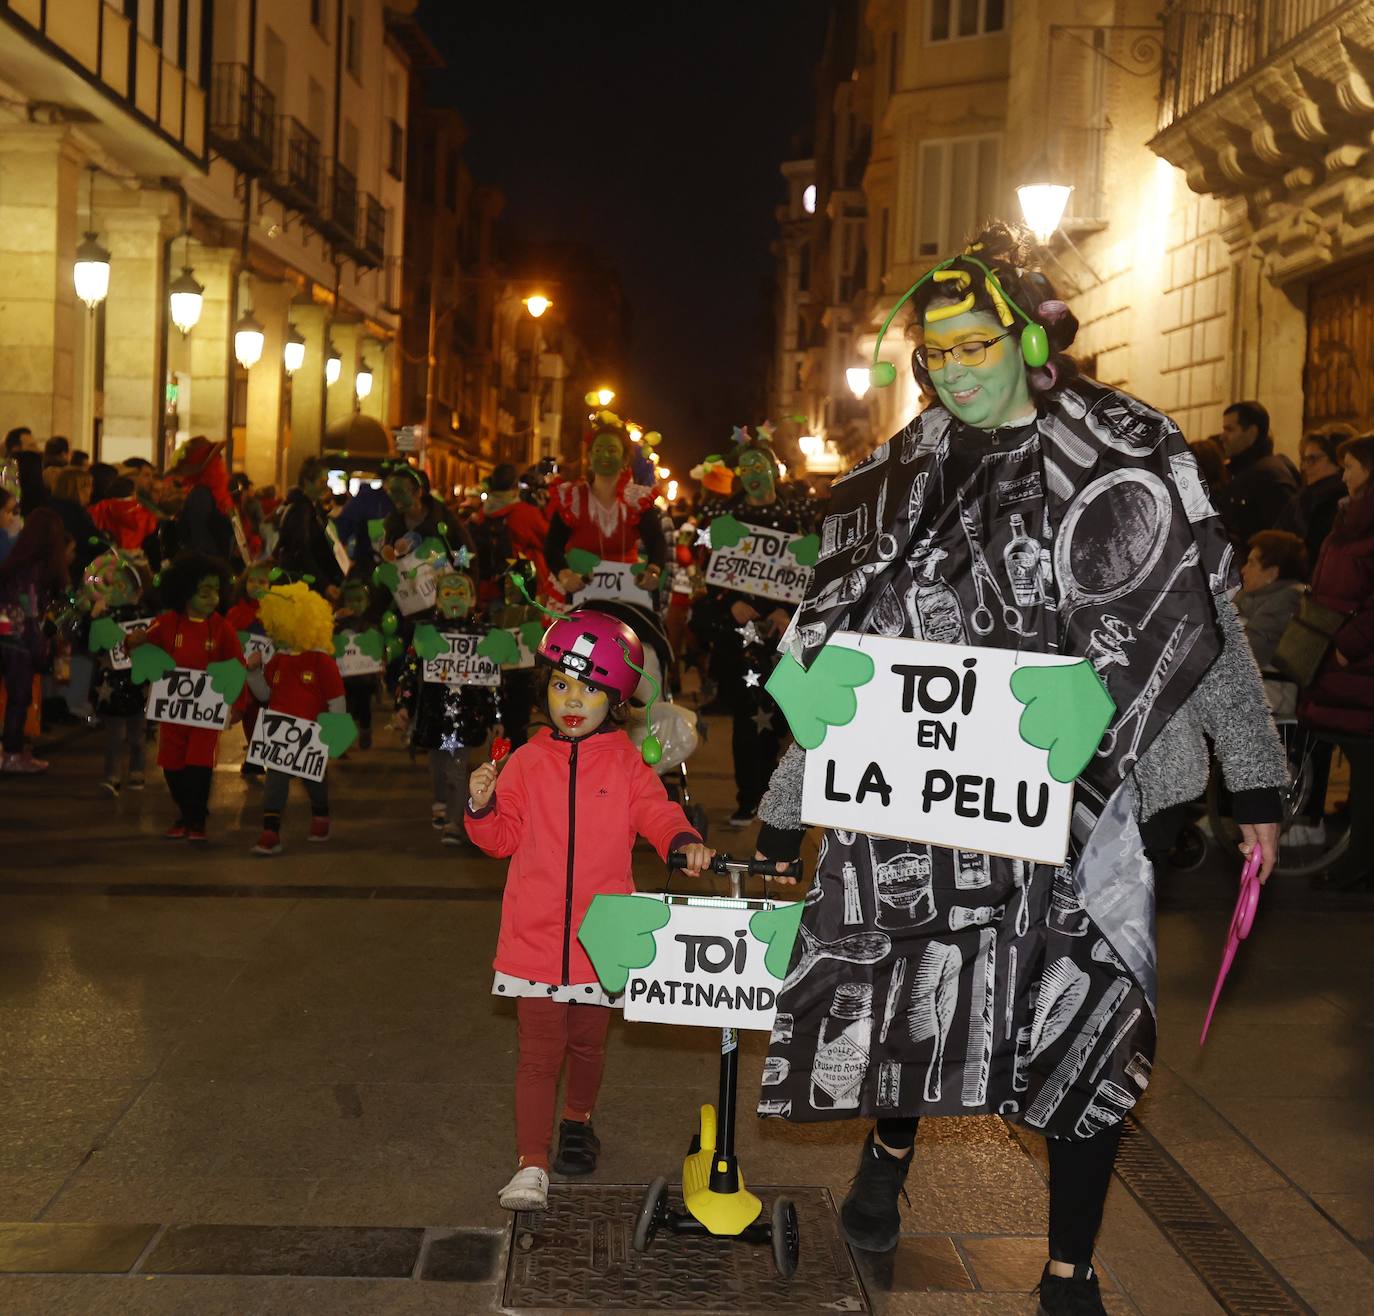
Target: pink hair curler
<point>1242,920</point>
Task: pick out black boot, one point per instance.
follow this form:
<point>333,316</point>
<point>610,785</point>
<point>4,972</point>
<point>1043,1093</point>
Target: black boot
<point>869,1216</point>
<point>578,1147</point>
<point>1078,1296</point>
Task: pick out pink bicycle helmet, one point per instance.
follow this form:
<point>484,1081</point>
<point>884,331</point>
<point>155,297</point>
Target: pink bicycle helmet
<point>593,646</point>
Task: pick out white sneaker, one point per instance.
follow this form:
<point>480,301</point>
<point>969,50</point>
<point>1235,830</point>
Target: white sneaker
<point>1305,834</point>
<point>528,1190</point>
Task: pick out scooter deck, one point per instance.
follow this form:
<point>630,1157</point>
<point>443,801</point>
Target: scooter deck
<point>723,1214</point>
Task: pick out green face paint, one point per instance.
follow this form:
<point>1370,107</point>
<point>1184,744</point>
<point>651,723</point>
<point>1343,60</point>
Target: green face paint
<point>258,582</point>
<point>989,395</point>
<point>355,598</point>
<point>607,454</point>
<point>454,596</point>
<point>206,598</point>
<point>758,475</point>
<point>402,491</point>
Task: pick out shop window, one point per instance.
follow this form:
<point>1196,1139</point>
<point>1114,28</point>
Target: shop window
<point>958,184</point>
<point>955,20</point>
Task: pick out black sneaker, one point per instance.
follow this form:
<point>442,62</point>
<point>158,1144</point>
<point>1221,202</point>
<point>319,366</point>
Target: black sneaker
<point>577,1148</point>
<point>1078,1296</point>
<point>740,818</point>
<point>869,1216</point>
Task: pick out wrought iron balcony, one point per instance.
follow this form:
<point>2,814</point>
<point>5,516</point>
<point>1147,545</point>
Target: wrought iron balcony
<point>340,219</point>
<point>242,118</point>
<point>372,250</point>
<point>299,166</point>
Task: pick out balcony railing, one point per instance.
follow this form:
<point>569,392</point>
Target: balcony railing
<point>1209,44</point>
<point>297,177</point>
<point>341,218</point>
<point>242,118</point>
<point>373,248</point>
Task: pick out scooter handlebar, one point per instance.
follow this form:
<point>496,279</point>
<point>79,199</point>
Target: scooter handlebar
<point>726,865</point>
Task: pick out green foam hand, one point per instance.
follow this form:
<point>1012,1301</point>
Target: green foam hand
<point>777,929</point>
<point>428,643</point>
<point>583,561</point>
<point>105,635</point>
<point>1067,710</point>
<point>370,644</point>
<point>618,935</point>
<point>822,695</point>
<point>387,575</point>
<point>531,633</point>
<point>806,550</point>
<point>376,529</point>
<point>431,548</point>
<point>338,731</point>
<point>340,643</point>
<point>727,532</point>
<point>227,678</point>
<point>149,663</point>
<point>500,646</point>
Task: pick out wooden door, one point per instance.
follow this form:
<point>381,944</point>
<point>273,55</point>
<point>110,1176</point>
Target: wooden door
<point>1338,383</point>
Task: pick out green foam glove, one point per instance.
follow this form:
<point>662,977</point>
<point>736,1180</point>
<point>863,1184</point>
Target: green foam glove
<point>370,644</point>
<point>149,663</point>
<point>227,679</point>
<point>727,532</point>
<point>777,929</point>
<point>338,731</point>
<point>618,935</point>
<point>500,646</point>
<point>822,695</point>
<point>376,529</point>
<point>387,575</point>
<point>582,561</point>
<point>1067,710</point>
<point>806,550</point>
<point>531,633</point>
<point>431,548</point>
<point>428,642</point>
<point>106,634</point>
<point>340,643</point>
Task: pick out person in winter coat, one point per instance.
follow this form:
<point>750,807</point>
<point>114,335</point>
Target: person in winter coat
<point>566,812</point>
<point>1262,482</point>
<point>122,517</point>
<point>202,522</point>
<point>508,527</point>
<point>1271,588</point>
<point>1312,510</point>
<point>304,545</point>
<point>1341,700</point>
<point>358,612</point>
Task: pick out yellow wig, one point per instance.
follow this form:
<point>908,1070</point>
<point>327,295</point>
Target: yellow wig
<point>297,618</point>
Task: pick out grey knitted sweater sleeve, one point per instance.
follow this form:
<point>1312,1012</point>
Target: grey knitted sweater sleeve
<point>781,803</point>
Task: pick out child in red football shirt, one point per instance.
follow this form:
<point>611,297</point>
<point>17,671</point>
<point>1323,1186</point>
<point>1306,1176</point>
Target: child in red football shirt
<point>302,679</point>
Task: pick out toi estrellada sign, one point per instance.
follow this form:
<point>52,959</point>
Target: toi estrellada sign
<point>762,564</point>
<point>187,698</point>
<point>936,750</point>
<point>461,664</point>
<point>289,744</point>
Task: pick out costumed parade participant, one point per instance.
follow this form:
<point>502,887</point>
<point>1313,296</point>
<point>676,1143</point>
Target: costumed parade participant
<point>439,702</point>
<point>301,680</point>
<point>359,643</point>
<point>305,548</point>
<point>566,812</point>
<point>607,516</point>
<point>201,480</point>
<point>1028,510</point>
<point>507,527</point>
<point>117,587</point>
<point>416,515</point>
<point>740,623</point>
<point>192,635</point>
<point>252,584</point>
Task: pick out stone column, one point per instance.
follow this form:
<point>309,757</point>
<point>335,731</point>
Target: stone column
<point>342,398</point>
<point>208,348</point>
<point>40,317</point>
<point>377,358</point>
<point>307,388</point>
<point>263,447</point>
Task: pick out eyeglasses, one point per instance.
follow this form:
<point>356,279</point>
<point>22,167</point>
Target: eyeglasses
<point>971,353</point>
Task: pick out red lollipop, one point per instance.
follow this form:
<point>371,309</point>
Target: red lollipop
<point>500,747</point>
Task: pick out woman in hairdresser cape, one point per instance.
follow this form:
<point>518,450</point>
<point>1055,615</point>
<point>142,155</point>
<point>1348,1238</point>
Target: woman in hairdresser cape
<point>1032,509</point>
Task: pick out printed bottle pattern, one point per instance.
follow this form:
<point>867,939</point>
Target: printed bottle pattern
<point>841,1062</point>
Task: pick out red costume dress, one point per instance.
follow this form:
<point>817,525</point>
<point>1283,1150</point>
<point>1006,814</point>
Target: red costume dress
<point>612,533</point>
<point>193,645</point>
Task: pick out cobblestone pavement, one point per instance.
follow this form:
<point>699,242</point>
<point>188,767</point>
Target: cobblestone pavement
<point>196,1047</point>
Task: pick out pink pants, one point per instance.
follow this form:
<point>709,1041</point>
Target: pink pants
<point>549,1032</point>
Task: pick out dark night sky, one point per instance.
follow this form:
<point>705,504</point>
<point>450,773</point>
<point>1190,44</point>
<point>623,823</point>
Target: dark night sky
<point>653,131</point>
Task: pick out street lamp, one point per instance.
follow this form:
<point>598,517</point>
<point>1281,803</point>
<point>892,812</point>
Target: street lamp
<point>293,350</point>
<point>362,381</point>
<point>248,340</point>
<point>536,304</point>
<point>1042,207</point>
<point>187,297</point>
<point>605,396</point>
<point>91,273</point>
<point>333,365</point>
<point>858,378</point>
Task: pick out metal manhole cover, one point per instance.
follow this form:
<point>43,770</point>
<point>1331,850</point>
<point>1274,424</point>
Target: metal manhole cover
<point>576,1256</point>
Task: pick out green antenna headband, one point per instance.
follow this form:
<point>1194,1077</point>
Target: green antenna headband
<point>1035,343</point>
<point>652,749</point>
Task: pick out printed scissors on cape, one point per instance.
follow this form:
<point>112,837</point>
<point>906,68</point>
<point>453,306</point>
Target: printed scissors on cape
<point>983,582</point>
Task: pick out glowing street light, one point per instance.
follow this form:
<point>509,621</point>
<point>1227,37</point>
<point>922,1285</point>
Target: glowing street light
<point>362,381</point>
<point>248,340</point>
<point>633,430</point>
<point>91,273</point>
<point>605,396</point>
<point>858,378</point>
<point>536,304</point>
<point>333,365</point>
<point>1042,207</point>
<point>293,350</point>
<point>187,297</point>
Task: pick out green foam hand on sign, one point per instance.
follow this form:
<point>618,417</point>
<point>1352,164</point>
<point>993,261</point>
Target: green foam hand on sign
<point>618,935</point>
<point>500,646</point>
<point>105,635</point>
<point>531,633</point>
<point>340,643</point>
<point>149,663</point>
<point>806,550</point>
<point>1067,710</point>
<point>376,529</point>
<point>583,561</point>
<point>777,929</point>
<point>227,678</point>
<point>428,642</point>
<point>370,644</point>
<point>431,548</point>
<point>822,695</point>
<point>338,731</point>
<point>388,575</point>
<point>728,532</point>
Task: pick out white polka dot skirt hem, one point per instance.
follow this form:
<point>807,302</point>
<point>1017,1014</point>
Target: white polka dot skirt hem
<point>578,993</point>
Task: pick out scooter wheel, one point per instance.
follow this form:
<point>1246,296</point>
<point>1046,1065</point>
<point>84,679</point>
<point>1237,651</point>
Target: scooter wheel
<point>786,1237</point>
<point>651,1214</point>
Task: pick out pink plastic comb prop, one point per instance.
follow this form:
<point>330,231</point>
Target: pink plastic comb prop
<point>1242,920</point>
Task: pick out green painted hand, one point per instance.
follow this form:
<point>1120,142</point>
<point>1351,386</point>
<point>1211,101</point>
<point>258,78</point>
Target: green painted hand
<point>618,935</point>
<point>428,643</point>
<point>822,695</point>
<point>227,678</point>
<point>530,634</point>
<point>376,530</point>
<point>777,929</point>
<point>387,575</point>
<point>371,643</point>
<point>149,663</point>
<point>341,640</point>
<point>805,550</point>
<point>1067,710</point>
<point>105,635</point>
<point>500,646</point>
<point>727,532</point>
<point>583,561</point>
<point>338,731</point>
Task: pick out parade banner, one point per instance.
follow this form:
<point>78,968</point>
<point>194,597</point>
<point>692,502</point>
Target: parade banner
<point>186,698</point>
<point>614,580</point>
<point>415,593</point>
<point>760,564</point>
<point>932,753</point>
<point>289,744</point>
<point>461,664</point>
<point>119,655</point>
<point>354,662</point>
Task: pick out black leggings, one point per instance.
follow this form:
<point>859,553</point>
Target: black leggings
<point>190,791</point>
<point>1080,1171</point>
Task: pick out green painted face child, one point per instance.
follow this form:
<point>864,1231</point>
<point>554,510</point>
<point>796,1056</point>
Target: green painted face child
<point>607,454</point>
<point>258,581</point>
<point>455,595</point>
<point>356,598</point>
<point>206,598</point>
<point>986,388</point>
<point>758,476</point>
<point>111,581</point>
<point>403,490</point>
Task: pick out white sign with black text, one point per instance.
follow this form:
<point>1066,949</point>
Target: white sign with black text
<point>289,744</point>
<point>760,564</point>
<point>415,593</point>
<point>186,698</point>
<point>119,655</point>
<point>354,662</point>
<point>614,580</point>
<point>462,664</point>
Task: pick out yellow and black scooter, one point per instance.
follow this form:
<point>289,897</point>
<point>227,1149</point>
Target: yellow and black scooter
<point>713,1191</point>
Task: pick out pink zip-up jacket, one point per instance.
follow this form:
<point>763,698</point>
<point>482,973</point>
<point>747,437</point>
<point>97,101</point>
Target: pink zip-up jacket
<point>567,813</point>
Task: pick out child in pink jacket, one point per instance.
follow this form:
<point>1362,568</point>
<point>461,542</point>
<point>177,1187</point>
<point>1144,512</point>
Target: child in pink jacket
<point>567,810</point>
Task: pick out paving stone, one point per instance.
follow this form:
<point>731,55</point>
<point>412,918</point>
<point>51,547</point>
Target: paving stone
<point>918,1263</point>
<point>467,1256</point>
<point>109,1249</point>
<point>285,1250</point>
